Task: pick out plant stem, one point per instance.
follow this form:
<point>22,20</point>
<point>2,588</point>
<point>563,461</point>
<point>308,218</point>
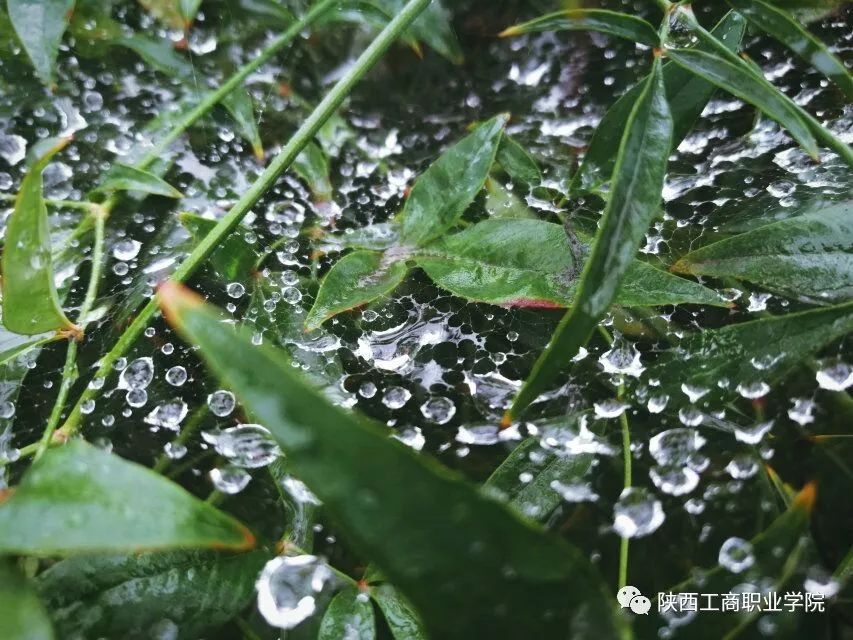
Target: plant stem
<point>626,463</point>
<point>60,204</point>
<point>264,182</point>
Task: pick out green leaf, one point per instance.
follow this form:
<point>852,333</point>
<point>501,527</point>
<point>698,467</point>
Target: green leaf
<point>30,302</point>
<point>748,88</point>
<point>12,344</point>
<point>433,26</point>
<point>518,164</point>
<point>356,279</point>
<point>313,167</point>
<point>121,596</point>
<point>537,499</point>
<point>239,104</point>
<point>22,615</point>
<point>40,25</point>
<point>503,203</point>
<point>441,194</point>
<point>166,11</point>
<point>470,567</point>
<point>234,259</point>
<point>159,54</point>
<point>810,255</point>
<point>492,262</point>
<point>635,198</point>
<point>706,358</point>
<point>614,23</point>
<point>399,615</point>
<point>686,93</point>
<point>79,499</point>
<point>785,29</point>
<point>350,616</point>
<point>188,9</point>
<point>122,177</point>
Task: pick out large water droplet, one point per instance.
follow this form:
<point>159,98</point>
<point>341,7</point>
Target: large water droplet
<point>287,589</point>
<point>736,555</point>
<point>137,375</point>
<point>835,377</point>
<point>637,513</point>
<point>247,445</point>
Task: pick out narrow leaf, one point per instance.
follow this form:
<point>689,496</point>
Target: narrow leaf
<point>441,194</point>
<point>188,9</point>
<point>22,615</point>
<point>239,104</point>
<point>810,256</point>
<point>492,262</point>
<point>30,302</point>
<point>122,177</point>
<point>613,23</point>
<point>159,54</point>
<point>350,616</point>
<point>784,28</point>
<point>636,190</point>
<point>433,27</point>
<point>519,164</point>
<point>312,165</point>
<point>166,11</point>
<point>356,279</point>
<point>40,25</point>
<point>79,499</point>
<point>686,93</point>
<point>120,596</point>
<point>419,528</point>
<point>234,259</point>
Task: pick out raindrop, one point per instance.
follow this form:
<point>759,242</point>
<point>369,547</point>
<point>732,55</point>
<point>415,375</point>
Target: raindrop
<point>235,290</point>
<point>736,555</point>
<point>174,450</point>
<point>396,397</point>
<point>229,479</point>
<point>742,467</point>
<point>136,397</point>
<point>482,434</point>
<point>676,481</point>
<point>694,392</point>
<point>690,416</point>
<point>835,377</point>
<point>657,403</point>
<point>176,376</point>
<point>367,390</point>
<point>247,445</point>
<point>623,358</point>
<point>412,437</point>
<point>287,589</point>
<point>221,403</point>
<point>126,250</point>
<point>137,375</point>
<point>610,408</point>
<point>675,447</point>
<point>754,433</point>
<point>752,390</point>
<point>819,580</point>
<point>168,415</point>
<point>439,410</point>
<point>637,513</point>
<point>802,411</point>
<point>574,492</point>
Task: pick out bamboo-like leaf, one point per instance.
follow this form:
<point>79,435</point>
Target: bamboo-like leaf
<point>419,528</point>
<point>492,262</point>
<point>728,76</point>
<point>312,165</point>
<point>441,194</point>
<point>22,614</point>
<point>234,259</point>
<point>613,23</point>
<point>635,197</point>
<point>159,54</point>
<point>686,93</point>
<point>356,279</point>
<point>122,177</point>
<point>349,615</point>
<point>79,499</point>
<point>433,27</point>
<point>784,28</point>
<point>239,104</point>
<point>40,25</point>
<point>30,301</point>
<point>122,596</point>
<point>809,255</point>
<point>188,9</point>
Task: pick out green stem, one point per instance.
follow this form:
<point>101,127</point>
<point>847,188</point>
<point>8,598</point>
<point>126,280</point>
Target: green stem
<point>187,430</point>
<point>264,182</point>
<point>626,462</point>
<point>56,413</point>
<point>59,204</point>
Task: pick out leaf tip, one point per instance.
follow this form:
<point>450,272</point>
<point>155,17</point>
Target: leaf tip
<point>805,499</point>
<point>510,31</point>
<point>506,419</point>
<point>175,299</point>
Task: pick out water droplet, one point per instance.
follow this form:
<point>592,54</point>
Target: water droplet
<point>235,290</point>
<point>439,410</point>
<point>126,250</point>
<point>694,392</point>
<point>758,301</point>
<point>136,397</point>
<point>247,445</point>
<point>657,403</point>
<point>287,589</point>
<point>299,491</point>
<point>835,377</point>
<point>675,447</point>
<point>221,403</point>
<point>396,397</point>
<point>229,479</point>
<point>7,409</point>
<point>752,390</point>
<point>819,580</point>
<point>676,481</point>
<point>412,437</point>
<point>482,434</point>
<point>176,376</point>
<point>174,450</point>
<point>742,467</point>
<point>168,415</point>
<point>637,513</point>
<point>736,555</point>
<point>13,148</point>
<point>574,492</point>
<point>622,358</point>
<point>802,411</point>
<point>754,433</point>
<point>610,408</point>
<point>367,390</point>
<point>690,416</point>
<point>137,375</point>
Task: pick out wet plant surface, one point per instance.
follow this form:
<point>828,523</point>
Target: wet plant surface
<point>416,278</point>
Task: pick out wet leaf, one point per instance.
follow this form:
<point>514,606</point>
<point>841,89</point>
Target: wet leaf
<point>22,615</point>
<point>356,279</point>
<point>312,166</point>
<point>503,203</point>
<point>419,528</point>
<point>518,164</point>
<point>537,499</point>
<point>441,194</point>
<point>40,25</point>
<point>614,23</point>
<point>129,596</point>
<point>122,177</point>
<point>239,104</point>
<point>79,499</point>
<point>159,55</point>
<point>492,262</point>
<point>635,199</point>
<point>748,88</point>
<point>349,615</point>
<point>784,28</point>
<point>433,27</point>
<point>234,259</point>
<point>705,358</point>
<point>12,345</point>
<point>810,256</point>
<point>166,11</point>
<point>686,93</point>
<point>399,615</point>
<point>30,302</point>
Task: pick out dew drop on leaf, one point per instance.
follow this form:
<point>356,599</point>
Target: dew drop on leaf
<point>288,587</point>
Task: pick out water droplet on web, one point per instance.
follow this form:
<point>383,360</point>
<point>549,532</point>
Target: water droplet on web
<point>168,415</point>
<point>819,580</point>
<point>235,290</point>
<point>137,375</point>
<point>736,555</point>
<point>675,447</point>
<point>574,492</point>
<point>229,479</point>
<point>13,148</point>
<point>367,390</point>
<point>176,376</point>
<point>742,466</point>
<point>439,409</point>
<point>802,411</point>
<point>412,437</point>
<point>136,397</point>
<point>657,403</point>
<point>758,301</point>
<point>485,434</point>
<point>835,377</point>
<point>221,403</point>
<point>396,397</point>
<point>174,450</point>
<point>87,407</point>
<point>7,409</point>
<point>288,587</point>
<point>675,481</point>
<point>637,513</point>
<point>753,434</point>
<point>126,249</point>
<point>299,491</point>
<point>694,392</point>
<point>607,409</point>
<point>247,445</point>
<point>752,390</point>
<point>690,416</point>
<point>622,358</point>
